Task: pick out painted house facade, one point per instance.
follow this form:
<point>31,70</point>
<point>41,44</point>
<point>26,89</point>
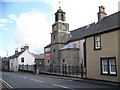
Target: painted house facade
<point>22,58</point>
<point>103,49</point>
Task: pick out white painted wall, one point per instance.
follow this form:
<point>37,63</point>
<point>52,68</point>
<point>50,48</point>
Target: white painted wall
<point>15,62</point>
<point>28,58</point>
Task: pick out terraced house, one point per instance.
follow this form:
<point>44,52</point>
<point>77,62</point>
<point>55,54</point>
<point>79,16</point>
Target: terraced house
<point>103,48</point>
<point>95,46</point>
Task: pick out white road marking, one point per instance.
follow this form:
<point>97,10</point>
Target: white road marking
<point>60,86</point>
<point>38,81</point>
<point>20,76</point>
<point>24,77</point>
<point>31,79</point>
<point>70,80</point>
<point>7,85</point>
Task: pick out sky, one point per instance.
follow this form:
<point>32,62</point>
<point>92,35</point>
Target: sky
<point>30,21</point>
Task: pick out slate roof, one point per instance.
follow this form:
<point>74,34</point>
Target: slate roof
<point>108,23</point>
<point>68,46</point>
<point>15,55</point>
<point>38,56</point>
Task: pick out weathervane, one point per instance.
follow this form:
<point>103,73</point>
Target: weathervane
<point>59,4</point>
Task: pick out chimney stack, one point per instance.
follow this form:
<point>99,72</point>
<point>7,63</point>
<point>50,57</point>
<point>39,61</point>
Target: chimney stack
<point>22,48</point>
<point>26,47</point>
<point>101,13</point>
<point>16,50</point>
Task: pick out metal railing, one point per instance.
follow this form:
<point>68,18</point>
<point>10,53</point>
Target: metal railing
<point>27,67</point>
<point>65,70</point>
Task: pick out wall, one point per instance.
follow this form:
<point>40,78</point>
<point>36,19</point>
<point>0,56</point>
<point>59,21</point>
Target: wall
<point>118,55</point>
<point>109,48</point>
<point>13,64</point>
<point>79,44</point>
<point>28,58</point>
<point>70,55</point>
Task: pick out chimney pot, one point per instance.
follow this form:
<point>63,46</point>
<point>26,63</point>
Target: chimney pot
<point>26,47</point>
<point>101,13</point>
<point>22,48</point>
<point>16,50</point>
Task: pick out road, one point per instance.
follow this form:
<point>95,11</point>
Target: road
<point>27,80</point>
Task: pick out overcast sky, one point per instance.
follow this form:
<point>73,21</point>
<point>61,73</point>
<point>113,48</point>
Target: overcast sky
<point>30,21</point>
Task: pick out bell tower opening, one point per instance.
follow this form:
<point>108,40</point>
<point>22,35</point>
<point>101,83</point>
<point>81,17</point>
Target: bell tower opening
<point>59,15</point>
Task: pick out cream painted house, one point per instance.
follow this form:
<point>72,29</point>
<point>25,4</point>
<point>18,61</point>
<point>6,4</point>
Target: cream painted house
<point>103,49</point>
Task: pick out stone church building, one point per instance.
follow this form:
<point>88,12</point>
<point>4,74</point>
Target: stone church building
<point>95,47</point>
<point>61,51</point>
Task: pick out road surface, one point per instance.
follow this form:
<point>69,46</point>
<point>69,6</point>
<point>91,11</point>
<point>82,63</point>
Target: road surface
<point>28,80</point>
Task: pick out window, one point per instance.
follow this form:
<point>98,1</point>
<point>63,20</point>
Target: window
<point>62,17</point>
<point>48,61</point>
<point>63,60</point>
<point>54,37</point>
<point>54,50</point>
<point>112,66</point>
<point>56,18</point>
<point>104,66</point>
<point>108,66</point>
<point>97,42</point>
<point>22,60</point>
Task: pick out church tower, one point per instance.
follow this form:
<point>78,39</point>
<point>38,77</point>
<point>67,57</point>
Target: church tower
<point>59,36</point>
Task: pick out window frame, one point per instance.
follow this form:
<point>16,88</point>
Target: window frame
<point>108,66</point>
<point>22,59</point>
<point>97,44</point>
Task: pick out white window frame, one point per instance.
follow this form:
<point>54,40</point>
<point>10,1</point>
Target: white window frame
<point>103,66</point>
<point>109,63</point>
<point>97,42</point>
<point>110,66</point>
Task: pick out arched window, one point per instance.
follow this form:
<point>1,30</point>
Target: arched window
<point>62,17</point>
<point>54,37</point>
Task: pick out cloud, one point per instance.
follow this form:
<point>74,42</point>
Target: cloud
<point>33,29</point>
<point>4,28</point>
<point>13,17</point>
<point>3,20</point>
<point>1,25</point>
<point>82,12</point>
